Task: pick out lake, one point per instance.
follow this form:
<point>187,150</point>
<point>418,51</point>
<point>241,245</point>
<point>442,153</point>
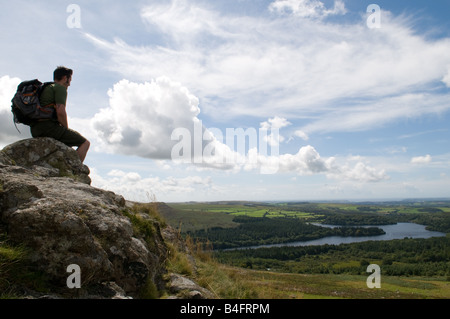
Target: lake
<point>397,231</point>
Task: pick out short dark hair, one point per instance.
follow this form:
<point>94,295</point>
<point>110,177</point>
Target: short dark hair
<point>60,72</point>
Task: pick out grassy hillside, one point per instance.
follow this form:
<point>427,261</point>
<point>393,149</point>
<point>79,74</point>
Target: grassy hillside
<point>338,273</point>
<point>229,282</point>
<point>234,281</point>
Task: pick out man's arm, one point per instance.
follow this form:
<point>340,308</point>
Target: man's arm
<point>61,114</point>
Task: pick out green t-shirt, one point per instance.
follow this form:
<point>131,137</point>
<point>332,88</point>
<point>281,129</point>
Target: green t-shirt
<point>54,94</point>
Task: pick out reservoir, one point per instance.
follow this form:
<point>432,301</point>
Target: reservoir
<point>397,231</point>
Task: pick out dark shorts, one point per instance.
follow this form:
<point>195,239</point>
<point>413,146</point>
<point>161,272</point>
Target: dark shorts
<point>58,132</point>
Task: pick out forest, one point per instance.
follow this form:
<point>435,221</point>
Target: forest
<point>407,257</point>
<point>225,225</point>
<point>263,231</point>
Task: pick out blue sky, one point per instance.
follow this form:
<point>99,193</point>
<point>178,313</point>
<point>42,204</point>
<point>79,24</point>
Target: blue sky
<point>361,112</point>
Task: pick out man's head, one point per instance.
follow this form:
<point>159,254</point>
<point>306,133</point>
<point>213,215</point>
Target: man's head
<point>63,76</point>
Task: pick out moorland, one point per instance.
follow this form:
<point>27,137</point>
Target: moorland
<point>411,267</point>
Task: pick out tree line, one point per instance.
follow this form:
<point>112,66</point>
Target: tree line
<point>407,257</point>
<point>263,231</point>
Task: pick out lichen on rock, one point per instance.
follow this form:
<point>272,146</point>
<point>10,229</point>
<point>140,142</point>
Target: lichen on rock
<point>48,157</point>
<point>48,205</point>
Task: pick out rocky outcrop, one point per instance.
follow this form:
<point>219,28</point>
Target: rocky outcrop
<point>182,287</point>
<point>47,157</point>
<point>48,205</point>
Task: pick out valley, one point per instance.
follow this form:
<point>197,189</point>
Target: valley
<point>410,267</point>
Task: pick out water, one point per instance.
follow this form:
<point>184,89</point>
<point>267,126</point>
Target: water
<point>398,231</point>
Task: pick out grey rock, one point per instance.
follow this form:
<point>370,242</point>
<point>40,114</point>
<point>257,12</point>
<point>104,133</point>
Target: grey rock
<point>65,221</point>
<point>48,205</point>
<point>187,289</point>
<point>51,155</point>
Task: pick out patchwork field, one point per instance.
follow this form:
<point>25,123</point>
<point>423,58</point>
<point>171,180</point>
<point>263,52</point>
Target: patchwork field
<point>410,268</point>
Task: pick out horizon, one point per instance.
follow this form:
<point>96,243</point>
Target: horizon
<point>251,100</point>
<point>324,201</point>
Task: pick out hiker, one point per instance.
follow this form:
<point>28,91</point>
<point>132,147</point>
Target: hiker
<point>55,95</point>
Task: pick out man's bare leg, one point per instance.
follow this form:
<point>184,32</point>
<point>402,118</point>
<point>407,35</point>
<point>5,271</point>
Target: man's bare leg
<point>82,150</point>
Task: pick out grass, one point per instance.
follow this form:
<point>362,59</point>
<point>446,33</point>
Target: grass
<point>14,272</point>
<point>145,220</point>
<point>179,262</point>
<point>237,283</point>
<point>9,258</point>
<point>191,218</point>
<point>198,216</point>
<point>230,282</point>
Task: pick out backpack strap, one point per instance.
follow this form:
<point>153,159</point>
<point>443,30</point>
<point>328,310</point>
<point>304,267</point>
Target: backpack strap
<point>40,92</point>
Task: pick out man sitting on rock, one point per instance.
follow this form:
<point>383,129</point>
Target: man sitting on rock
<point>58,128</point>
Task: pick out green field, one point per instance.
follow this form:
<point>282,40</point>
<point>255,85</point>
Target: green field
<point>197,216</point>
<point>411,269</point>
<point>251,210</point>
<point>190,217</point>
<point>237,283</point>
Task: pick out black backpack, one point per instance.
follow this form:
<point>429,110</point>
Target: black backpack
<point>26,107</point>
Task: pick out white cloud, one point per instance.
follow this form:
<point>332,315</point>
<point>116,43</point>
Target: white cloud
<point>361,173</point>
<point>306,162</point>
<point>276,122</point>
<point>377,113</point>
<point>134,187</point>
<point>8,132</point>
<point>159,120</point>
<point>307,8</point>
<point>309,162</point>
<point>446,78</point>
<point>8,87</point>
<point>302,135</point>
<point>141,117</point>
<point>274,125</point>
<point>145,119</point>
<point>421,159</point>
<point>342,77</point>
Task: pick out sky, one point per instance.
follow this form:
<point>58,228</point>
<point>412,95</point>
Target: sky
<point>260,100</point>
